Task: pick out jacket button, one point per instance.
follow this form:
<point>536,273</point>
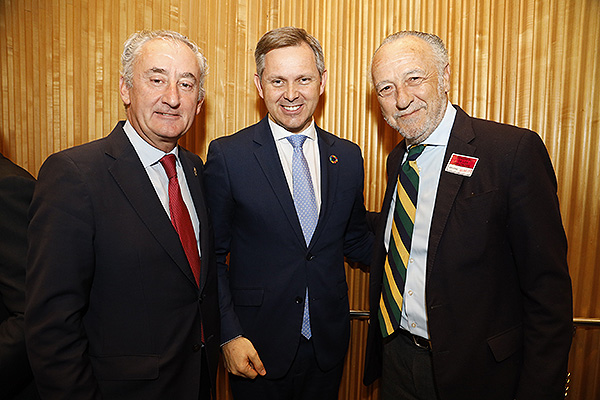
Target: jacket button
<point>309,257</point>
<point>299,300</point>
<point>196,348</point>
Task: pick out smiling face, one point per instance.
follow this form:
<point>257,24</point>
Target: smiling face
<point>290,86</point>
<point>411,87</point>
<point>162,100</point>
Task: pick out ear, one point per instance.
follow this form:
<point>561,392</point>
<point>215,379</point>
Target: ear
<point>258,84</point>
<point>446,76</point>
<point>124,91</point>
<point>199,105</point>
<point>323,82</point>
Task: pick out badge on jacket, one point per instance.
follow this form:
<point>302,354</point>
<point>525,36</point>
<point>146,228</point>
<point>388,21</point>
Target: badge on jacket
<point>461,165</point>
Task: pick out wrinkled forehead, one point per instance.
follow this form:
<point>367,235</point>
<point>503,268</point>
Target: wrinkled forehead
<point>405,48</point>
<point>405,53</point>
<point>159,47</point>
<point>169,56</point>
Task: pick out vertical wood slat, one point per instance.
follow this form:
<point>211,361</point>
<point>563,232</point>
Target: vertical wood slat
<point>528,62</point>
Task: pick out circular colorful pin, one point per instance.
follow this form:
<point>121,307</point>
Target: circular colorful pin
<point>333,159</point>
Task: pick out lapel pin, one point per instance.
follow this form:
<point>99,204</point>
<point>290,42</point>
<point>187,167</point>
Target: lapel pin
<point>195,172</point>
<point>461,165</point>
<point>333,159</point>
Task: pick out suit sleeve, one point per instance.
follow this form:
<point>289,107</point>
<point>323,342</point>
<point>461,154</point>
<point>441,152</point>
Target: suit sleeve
<point>373,218</point>
<point>15,196</point>
<point>540,250</point>
<point>222,209</point>
<point>358,240</point>
<point>60,273</point>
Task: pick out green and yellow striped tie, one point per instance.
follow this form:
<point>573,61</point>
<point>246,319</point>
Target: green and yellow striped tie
<point>390,304</point>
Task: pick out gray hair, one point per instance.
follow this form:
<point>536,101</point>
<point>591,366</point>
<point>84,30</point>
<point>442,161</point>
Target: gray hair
<point>286,37</point>
<point>437,45</point>
<point>133,45</point>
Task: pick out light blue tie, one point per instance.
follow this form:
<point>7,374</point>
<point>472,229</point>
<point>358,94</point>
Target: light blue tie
<point>306,208</point>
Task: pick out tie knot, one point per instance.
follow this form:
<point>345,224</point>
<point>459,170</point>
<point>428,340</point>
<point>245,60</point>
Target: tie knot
<point>297,140</point>
<point>415,151</point>
<point>168,163</point>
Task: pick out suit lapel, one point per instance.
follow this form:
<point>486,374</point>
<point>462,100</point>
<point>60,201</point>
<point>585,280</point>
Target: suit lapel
<point>393,168</point>
<point>127,170</point>
<point>460,137</point>
<point>193,176</point>
<point>329,179</point>
<point>268,158</point>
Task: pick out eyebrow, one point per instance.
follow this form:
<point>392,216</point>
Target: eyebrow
<point>190,76</point>
<point>383,83</point>
<point>276,75</point>
<point>162,71</point>
<point>156,70</point>
<point>415,71</point>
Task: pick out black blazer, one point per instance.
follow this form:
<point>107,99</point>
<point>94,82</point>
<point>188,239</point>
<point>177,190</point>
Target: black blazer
<point>498,291</point>
<point>113,309</point>
<point>16,189</point>
<point>262,288</point>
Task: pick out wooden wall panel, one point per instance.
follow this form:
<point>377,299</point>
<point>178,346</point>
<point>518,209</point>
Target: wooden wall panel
<point>532,63</point>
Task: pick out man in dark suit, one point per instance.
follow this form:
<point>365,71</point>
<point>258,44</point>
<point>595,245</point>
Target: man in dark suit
<point>286,213</point>
<point>16,189</point>
<point>122,293</point>
<point>484,306</point>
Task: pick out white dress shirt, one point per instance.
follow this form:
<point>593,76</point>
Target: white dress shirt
<point>429,163</point>
<point>311,153</point>
<point>150,157</point>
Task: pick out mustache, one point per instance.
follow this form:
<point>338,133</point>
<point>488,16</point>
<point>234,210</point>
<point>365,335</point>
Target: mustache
<point>403,113</point>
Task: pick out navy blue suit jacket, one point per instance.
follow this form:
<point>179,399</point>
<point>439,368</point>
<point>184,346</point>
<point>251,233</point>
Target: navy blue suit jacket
<point>262,288</point>
<point>498,292</point>
<point>113,309</point>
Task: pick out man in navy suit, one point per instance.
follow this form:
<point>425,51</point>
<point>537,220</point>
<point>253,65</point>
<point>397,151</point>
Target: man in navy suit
<point>116,308</point>
<point>486,306</point>
<point>283,294</point>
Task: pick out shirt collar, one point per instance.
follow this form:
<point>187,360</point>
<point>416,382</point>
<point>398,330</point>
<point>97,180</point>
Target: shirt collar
<point>441,134</point>
<point>148,154</point>
<point>280,133</point>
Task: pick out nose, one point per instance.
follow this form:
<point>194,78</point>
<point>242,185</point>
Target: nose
<point>171,95</point>
<point>291,92</point>
<point>403,98</point>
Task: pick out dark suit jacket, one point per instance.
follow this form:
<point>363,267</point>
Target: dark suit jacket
<point>498,292</point>
<point>16,189</point>
<point>262,291</point>
<point>113,310</point>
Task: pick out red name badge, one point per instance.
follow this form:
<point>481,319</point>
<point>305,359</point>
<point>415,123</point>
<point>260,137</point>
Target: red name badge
<point>461,165</point>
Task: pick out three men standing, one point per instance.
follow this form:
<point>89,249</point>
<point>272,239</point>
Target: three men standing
<point>470,292</point>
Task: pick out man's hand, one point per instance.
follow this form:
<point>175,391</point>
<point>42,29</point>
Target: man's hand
<point>241,358</point>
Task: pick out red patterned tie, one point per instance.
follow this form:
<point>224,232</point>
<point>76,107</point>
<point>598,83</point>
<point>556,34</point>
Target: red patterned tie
<point>180,217</point>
